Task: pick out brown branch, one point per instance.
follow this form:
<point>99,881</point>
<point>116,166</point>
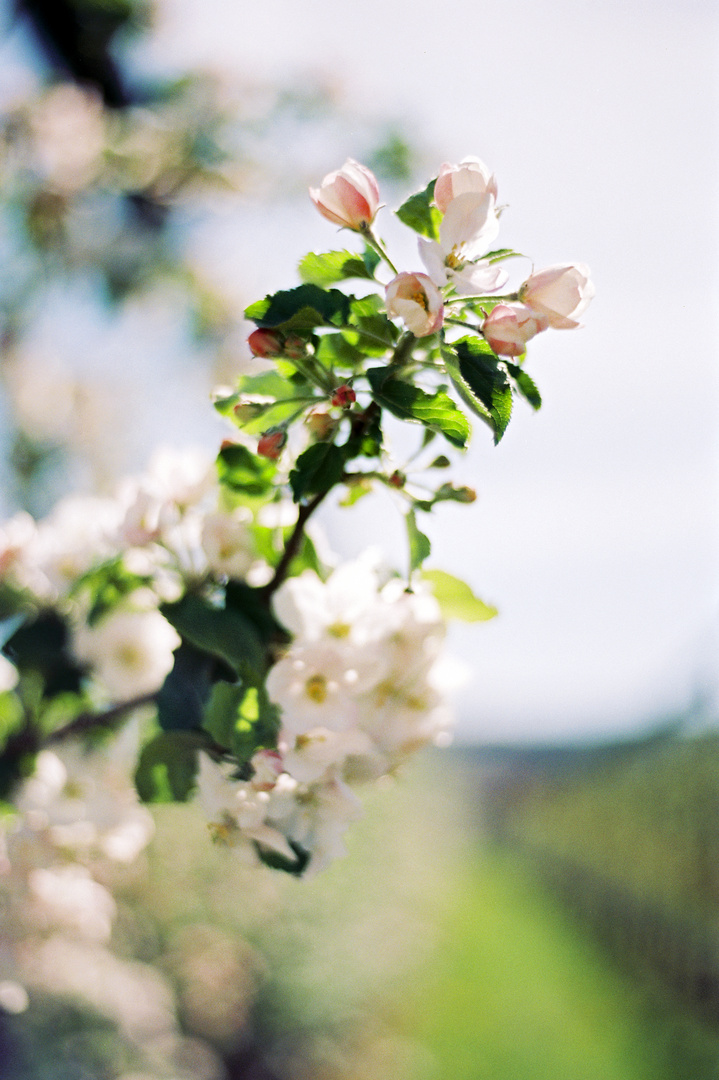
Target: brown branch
<point>109,718</point>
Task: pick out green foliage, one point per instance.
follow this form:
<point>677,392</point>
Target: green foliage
<point>244,472</point>
<point>419,545</point>
<point>104,586</point>
<point>225,633</point>
<point>167,766</point>
<point>302,308</point>
<point>318,468</point>
<point>241,718</point>
<point>408,402</point>
<point>182,697</point>
<point>335,266</point>
<point>481,381</point>
<point>378,334</point>
<point>42,645</point>
<point>456,599</point>
<point>420,214</point>
<point>525,385</point>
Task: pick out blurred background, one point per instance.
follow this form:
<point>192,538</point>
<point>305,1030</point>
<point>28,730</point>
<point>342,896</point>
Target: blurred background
<point>541,900</point>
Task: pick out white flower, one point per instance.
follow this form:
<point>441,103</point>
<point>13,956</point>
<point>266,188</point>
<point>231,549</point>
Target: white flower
<point>415,300</point>
<point>227,543</point>
<point>130,652</point>
<point>314,685</point>
<point>468,228</point>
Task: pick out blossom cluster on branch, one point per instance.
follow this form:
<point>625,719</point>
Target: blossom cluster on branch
<point>273,684</point>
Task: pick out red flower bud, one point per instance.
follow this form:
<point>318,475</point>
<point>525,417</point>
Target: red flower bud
<point>265,343</point>
<point>343,397</point>
<point>271,443</point>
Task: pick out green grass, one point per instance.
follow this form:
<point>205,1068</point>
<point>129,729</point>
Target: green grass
<point>512,992</point>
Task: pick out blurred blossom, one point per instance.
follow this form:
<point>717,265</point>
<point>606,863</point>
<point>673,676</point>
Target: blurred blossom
<point>131,651</point>
<point>69,132</point>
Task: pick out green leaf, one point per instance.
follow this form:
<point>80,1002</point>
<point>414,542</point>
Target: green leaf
<point>318,469</point>
<point>502,253</point>
<point>419,544</point>
<point>225,633</point>
<point>334,350</point>
<point>456,599</point>
<point>378,333</point>
<point>301,308</point>
<point>241,470</point>
<point>435,411</point>
<point>250,602</point>
<point>168,765</point>
<point>525,385</point>
<point>43,646</point>
<point>481,381</point>
<point>333,266</point>
<point>242,718</point>
<point>107,585</point>
<point>184,693</point>
<point>420,214</point>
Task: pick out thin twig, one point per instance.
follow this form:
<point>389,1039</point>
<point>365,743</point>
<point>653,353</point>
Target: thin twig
<point>109,718</point>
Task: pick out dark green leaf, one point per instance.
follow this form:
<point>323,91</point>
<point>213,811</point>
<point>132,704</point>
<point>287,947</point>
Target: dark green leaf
<point>43,646</point>
<point>420,214</point>
<point>301,308</point>
<point>184,693</point>
<point>319,468</point>
<point>525,385</point>
<point>378,333</point>
<point>243,471</point>
<point>436,411</point>
<point>168,765</point>
<point>333,266</point>
<point>250,602</point>
<point>419,544</point>
<point>223,632</point>
<point>481,381</point>
<point>276,861</point>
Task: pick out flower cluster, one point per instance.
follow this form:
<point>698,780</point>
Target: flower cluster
<point>359,688</point>
<point>268,683</point>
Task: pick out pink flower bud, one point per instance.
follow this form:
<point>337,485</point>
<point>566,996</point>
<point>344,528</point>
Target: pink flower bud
<point>417,301</point>
<point>343,397</point>
<point>559,292</point>
<point>471,175</point>
<point>264,342</point>
<point>271,443</point>
<point>509,327</point>
<point>349,197</point>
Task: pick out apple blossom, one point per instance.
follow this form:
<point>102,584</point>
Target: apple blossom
<point>560,292</point>
<point>416,300</point>
<point>509,327</point>
<point>470,175</point>
<point>468,228</point>
<point>349,197</point>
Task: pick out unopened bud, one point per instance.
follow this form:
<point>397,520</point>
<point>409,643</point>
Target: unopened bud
<point>265,343</point>
<point>271,443</point>
<point>343,397</point>
<point>321,424</point>
<point>397,479</point>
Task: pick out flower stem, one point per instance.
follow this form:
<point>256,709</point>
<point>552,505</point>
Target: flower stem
<point>373,242</point>
<point>507,298</point>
